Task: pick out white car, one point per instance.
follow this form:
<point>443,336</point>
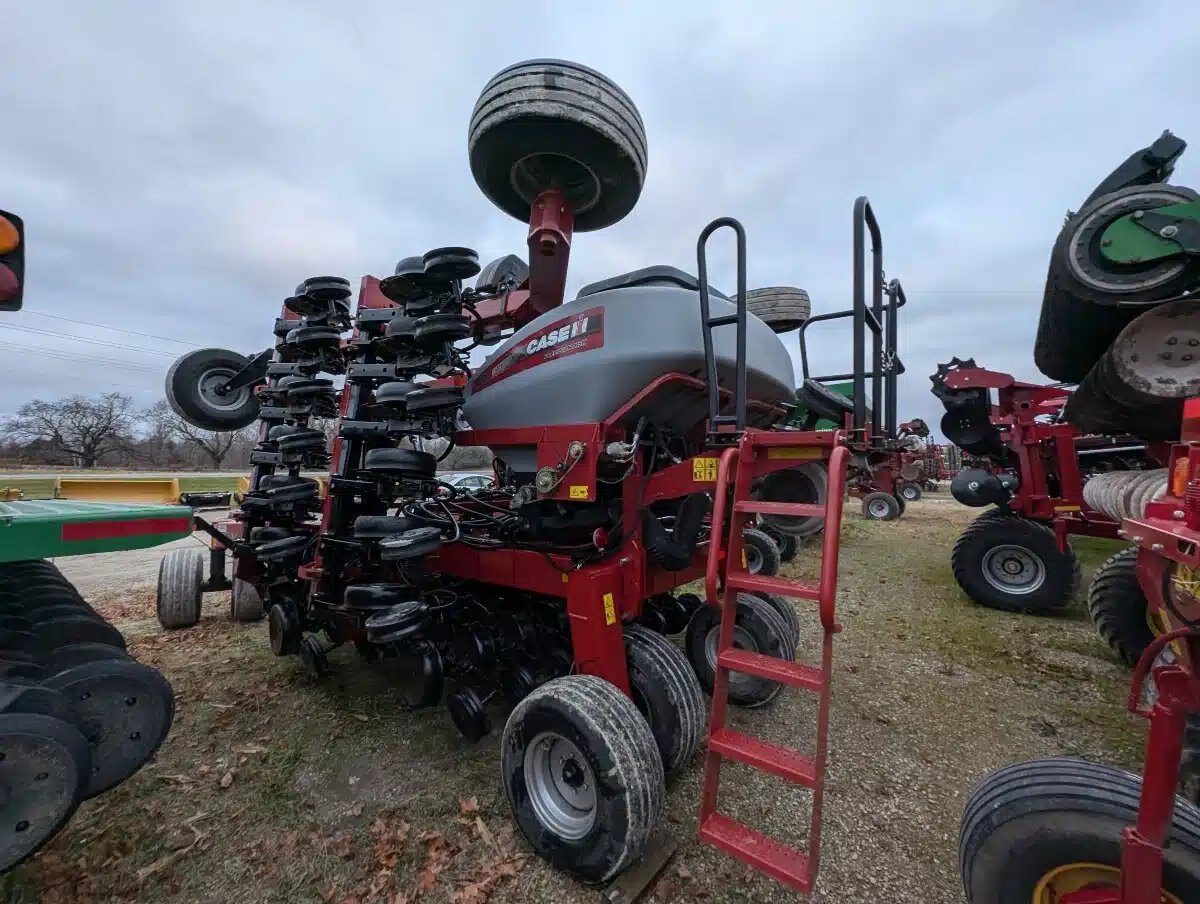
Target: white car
<point>466,480</point>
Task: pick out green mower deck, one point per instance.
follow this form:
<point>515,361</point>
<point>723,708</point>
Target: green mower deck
<point>46,529</point>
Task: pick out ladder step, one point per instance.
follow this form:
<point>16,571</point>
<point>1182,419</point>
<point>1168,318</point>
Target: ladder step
<point>741,580</point>
<point>780,862</point>
<point>795,674</point>
<point>722,320</point>
<point>793,509</point>
<point>782,761</point>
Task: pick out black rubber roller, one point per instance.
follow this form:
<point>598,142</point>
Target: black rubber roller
<point>404,463</point>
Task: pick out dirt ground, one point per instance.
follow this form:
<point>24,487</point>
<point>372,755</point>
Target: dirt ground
<point>271,789</point>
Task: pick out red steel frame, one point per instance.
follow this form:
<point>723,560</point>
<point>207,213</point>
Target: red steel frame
<point>1041,450</point>
<point>1169,539</point>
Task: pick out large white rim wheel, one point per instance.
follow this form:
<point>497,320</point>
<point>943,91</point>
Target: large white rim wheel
<point>180,588</point>
<point>805,484</point>
<point>758,628</point>
<point>1035,832</point>
<point>553,124</point>
<point>1013,564</point>
<point>910,492</point>
<point>583,776</point>
<point>245,603</point>
<point>881,506</point>
<point>195,390</point>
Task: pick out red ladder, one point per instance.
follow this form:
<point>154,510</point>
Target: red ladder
<point>793,867</point>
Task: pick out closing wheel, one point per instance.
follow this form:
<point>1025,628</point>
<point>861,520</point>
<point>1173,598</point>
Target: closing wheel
<point>910,492</point>
<point>1118,606</point>
<point>552,124</point>
<point>782,308</point>
<point>667,694</point>
<point>759,628</point>
<point>762,555</point>
<point>1079,317</point>
<point>880,507</point>
<point>44,764</point>
<point>1014,564</point>
<point>245,604</point>
<point>1038,831</point>
<point>195,390</point>
<point>583,776</point>
<point>180,582</point>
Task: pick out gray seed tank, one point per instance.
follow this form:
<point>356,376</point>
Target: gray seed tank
<point>581,362</point>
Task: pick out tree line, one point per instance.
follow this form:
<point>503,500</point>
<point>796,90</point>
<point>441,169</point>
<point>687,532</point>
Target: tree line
<point>110,431</point>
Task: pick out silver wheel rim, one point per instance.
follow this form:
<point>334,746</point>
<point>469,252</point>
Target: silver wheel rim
<point>754,558</point>
<point>212,380</point>
<point>561,785</point>
<point>1014,569</point>
<point>909,493</point>
<point>878,508</point>
<point>741,640</point>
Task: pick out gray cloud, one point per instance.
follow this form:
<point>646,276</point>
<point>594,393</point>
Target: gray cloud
<point>181,166</point>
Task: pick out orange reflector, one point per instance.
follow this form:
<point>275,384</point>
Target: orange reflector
<point>1179,477</point>
<point>9,237</point>
<point>10,286</point>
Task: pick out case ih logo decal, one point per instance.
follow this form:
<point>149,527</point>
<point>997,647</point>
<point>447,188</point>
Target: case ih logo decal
<point>568,336</point>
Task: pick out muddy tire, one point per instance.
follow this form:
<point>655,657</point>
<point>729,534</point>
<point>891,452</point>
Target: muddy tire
<point>762,555</point>
<point>667,694</point>
<point>782,308</point>
<point>191,389</point>
<point>1013,564</point>
<point>1058,822</point>
<point>583,776</point>
<point>245,604</point>
<point>1118,606</point>
<point>910,492</point>
<point>180,581</point>
<point>546,124</point>
<point>758,628</point>
<point>880,507</point>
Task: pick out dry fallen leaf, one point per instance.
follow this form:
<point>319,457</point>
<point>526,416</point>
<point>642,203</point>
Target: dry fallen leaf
<point>226,779</point>
<point>362,718</point>
<point>484,831</point>
<point>469,805</point>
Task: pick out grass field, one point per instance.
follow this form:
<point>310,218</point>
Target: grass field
<point>273,789</point>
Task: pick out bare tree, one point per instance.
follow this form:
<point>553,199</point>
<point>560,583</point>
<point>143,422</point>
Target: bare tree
<point>215,446</point>
<point>84,428</point>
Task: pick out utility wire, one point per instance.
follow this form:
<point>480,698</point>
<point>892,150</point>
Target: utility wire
<point>117,329</point>
<point>58,335</point>
<point>68,356</point>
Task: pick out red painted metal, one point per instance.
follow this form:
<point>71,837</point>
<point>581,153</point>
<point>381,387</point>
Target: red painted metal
<point>139,527</point>
<point>738,466</point>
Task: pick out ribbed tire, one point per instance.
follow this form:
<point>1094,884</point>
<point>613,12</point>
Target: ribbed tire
<point>622,756</point>
<point>759,628</point>
<point>180,578</point>
<point>786,611</point>
<point>762,555</point>
<point>189,390</point>
<point>1028,820</point>
<point>555,124</point>
<point>1079,321</point>
<point>1118,606</point>
<point>245,604</point>
<point>667,694</point>
<point>976,549</point>
<point>782,308</point>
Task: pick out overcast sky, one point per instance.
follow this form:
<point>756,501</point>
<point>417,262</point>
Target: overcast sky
<point>181,166</point>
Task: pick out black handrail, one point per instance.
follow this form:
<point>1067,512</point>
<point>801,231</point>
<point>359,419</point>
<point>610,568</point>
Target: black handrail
<point>715,418</point>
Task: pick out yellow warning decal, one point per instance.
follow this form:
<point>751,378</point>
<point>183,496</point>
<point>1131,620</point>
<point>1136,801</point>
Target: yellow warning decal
<point>1066,508</point>
<point>704,470</point>
<point>564,579</point>
<point>744,563</point>
<point>610,609</point>
<point>579,492</point>
<point>801,454</point>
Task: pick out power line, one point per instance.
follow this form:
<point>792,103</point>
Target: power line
<point>134,348</point>
<point>70,356</point>
<point>116,329</point>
